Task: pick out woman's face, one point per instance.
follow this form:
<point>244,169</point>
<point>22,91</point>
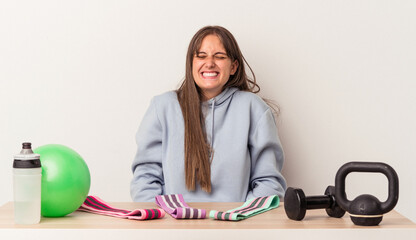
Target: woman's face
<point>211,67</point>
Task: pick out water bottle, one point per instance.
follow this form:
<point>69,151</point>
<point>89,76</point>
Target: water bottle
<point>27,177</point>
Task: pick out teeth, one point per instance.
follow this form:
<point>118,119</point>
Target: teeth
<point>211,74</point>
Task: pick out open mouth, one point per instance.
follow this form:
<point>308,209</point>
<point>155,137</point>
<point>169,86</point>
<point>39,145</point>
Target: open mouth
<point>210,75</point>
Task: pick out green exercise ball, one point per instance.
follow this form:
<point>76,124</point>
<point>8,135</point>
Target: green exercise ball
<point>65,180</point>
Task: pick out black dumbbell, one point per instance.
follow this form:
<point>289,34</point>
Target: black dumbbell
<point>296,203</point>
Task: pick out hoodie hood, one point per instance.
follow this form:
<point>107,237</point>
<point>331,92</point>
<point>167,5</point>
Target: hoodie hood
<point>221,98</point>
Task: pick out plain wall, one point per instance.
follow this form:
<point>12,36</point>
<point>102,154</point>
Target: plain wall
<point>82,74</point>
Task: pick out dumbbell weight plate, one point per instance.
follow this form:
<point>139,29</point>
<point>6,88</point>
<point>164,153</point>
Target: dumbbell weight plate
<point>295,203</point>
<point>335,210</point>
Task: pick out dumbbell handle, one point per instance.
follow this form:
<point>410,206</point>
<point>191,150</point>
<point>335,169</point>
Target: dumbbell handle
<point>318,202</point>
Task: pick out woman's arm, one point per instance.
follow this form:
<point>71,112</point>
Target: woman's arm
<point>147,165</point>
<point>266,159</point>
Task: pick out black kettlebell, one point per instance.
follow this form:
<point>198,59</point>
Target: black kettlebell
<point>366,210</point>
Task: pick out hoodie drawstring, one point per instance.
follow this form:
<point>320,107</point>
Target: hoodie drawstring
<point>212,128</point>
<point>213,103</point>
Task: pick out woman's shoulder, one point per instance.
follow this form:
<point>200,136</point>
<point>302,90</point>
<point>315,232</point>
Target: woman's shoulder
<point>255,104</point>
<point>165,98</point>
<point>165,102</point>
<point>252,99</point>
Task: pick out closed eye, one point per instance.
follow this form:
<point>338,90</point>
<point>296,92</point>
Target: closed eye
<point>201,55</point>
<point>219,55</point>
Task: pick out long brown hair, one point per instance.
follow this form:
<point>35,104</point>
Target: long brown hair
<point>197,149</point>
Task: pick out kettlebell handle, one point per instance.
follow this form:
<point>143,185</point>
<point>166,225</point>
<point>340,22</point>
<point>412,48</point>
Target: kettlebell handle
<point>379,167</point>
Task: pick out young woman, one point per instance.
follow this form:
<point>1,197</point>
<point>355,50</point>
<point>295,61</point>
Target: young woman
<point>213,139</point>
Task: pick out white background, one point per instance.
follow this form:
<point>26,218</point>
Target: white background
<point>82,73</point>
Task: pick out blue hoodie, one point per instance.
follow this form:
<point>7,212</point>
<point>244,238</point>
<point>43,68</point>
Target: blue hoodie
<point>247,156</point>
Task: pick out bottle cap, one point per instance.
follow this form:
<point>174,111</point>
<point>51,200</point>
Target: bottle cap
<point>26,158</point>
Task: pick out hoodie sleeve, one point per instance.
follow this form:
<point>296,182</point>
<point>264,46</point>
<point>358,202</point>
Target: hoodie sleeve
<point>266,159</point>
<point>147,165</point>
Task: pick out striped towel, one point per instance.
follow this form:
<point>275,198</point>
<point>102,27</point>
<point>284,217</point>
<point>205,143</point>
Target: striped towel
<point>248,209</point>
<point>95,205</point>
<point>175,206</point>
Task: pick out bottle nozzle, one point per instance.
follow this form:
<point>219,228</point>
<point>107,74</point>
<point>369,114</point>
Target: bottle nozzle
<point>27,148</point>
<point>27,145</point>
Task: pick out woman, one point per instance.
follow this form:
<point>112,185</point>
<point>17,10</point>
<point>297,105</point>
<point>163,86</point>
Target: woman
<point>213,139</point>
